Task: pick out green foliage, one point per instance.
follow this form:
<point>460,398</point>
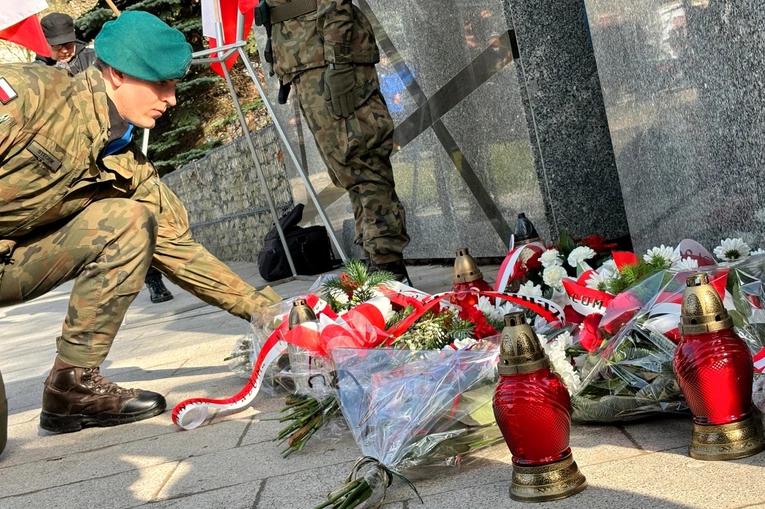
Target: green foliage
<point>433,331</point>
<point>566,244</point>
<point>630,276</point>
<point>189,85</point>
<point>356,283</point>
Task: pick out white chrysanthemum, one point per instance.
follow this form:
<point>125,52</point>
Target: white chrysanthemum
<point>556,351</point>
<point>530,289</point>
<point>495,312</point>
<point>580,254</point>
<point>550,258</point>
<point>731,249</point>
<point>758,252</point>
<point>594,280</point>
<point>662,256</point>
<point>686,263</point>
<point>485,306</point>
<point>552,276</point>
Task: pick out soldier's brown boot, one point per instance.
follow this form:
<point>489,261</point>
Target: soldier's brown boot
<point>75,398</point>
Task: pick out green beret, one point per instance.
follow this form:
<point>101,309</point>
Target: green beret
<point>143,46</point>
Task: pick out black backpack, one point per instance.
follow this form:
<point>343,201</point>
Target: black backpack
<point>309,247</point>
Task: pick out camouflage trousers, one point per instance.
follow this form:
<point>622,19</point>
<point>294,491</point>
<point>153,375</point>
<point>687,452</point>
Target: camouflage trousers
<point>357,151</point>
<point>107,248</point>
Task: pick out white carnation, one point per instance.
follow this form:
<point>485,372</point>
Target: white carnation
<point>530,289</point>
<point>553,275</point>
<point>550,258</point>
<point>556,351</point>
<point>461,344</point>
<point>580,254</point>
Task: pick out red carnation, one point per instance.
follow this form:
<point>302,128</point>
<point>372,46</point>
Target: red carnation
<point>534,262</point>
<point>598,243</point>
<point>590,336</point>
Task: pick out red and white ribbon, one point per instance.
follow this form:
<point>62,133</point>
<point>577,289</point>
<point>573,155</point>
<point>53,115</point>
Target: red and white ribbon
<point>359,327</point>
<point>507,269</point>
<point>271,350</point>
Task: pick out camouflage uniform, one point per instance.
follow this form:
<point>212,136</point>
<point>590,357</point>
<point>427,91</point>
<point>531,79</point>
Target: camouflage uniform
<point>356,149</point>
<point>67,212</point>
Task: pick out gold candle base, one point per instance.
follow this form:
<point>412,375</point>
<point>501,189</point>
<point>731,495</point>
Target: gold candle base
<point>548,482</point>
<point>727,441</point>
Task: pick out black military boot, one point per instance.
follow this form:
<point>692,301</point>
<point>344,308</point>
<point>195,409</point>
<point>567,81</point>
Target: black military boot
<point>157,290</point>
<point>397,268</point>
<point>75,398</point>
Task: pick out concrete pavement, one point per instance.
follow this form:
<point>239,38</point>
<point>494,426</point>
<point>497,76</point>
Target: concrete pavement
<point>177,348</point>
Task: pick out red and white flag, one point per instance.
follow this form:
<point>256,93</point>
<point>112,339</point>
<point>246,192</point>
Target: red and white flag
<point>229,13</point>
<point>759,361</point>
<point>19,24</point>
<point>7,93</point>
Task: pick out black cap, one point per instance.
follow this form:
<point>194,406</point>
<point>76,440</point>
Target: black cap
<point>58,28</point>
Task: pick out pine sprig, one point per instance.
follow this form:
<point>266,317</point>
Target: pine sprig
<point>355,283</point>
<point>433,331</point>
<point>629,276</point>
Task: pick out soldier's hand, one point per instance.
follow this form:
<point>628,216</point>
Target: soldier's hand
<point>340,80</point>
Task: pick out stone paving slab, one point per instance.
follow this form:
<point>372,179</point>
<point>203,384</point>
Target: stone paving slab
<point>177,348</point>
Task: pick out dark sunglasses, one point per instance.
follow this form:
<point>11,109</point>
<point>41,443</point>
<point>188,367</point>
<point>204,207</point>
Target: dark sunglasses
<point>59,47</point>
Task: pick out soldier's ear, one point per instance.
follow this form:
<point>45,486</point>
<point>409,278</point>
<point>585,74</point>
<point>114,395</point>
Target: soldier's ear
<point>116,77</point>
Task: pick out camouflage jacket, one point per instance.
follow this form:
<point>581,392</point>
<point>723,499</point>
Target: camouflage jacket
<point>338,32</point>
<point>53,128</point>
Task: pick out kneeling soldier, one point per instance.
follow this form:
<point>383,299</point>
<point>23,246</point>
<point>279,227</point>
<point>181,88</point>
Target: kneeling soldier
<point>78,200</point>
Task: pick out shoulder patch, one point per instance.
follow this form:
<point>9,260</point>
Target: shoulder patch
<point>7,93</point>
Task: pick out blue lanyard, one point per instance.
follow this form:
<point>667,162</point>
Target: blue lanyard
<point>120,143</point>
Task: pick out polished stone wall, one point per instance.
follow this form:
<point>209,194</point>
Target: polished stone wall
<point>566,118</point>
<point>684,87</point>
<point>485,127</point>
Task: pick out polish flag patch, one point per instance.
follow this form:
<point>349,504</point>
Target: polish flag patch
<point>7,93</point>
<point>759,361</point>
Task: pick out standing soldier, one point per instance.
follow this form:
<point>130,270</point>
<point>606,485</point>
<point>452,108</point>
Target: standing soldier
<point>78,200</point>
<point>327,50</point>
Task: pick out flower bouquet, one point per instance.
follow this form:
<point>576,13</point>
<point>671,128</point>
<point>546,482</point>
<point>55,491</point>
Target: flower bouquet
<point>624,356</point>
<point>419,322</point>
<point>411,409</point>
<point>538,270</point>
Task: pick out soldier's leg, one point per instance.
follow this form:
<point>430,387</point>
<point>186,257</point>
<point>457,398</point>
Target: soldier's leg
<point>357,151</point>
<point>107,249</point>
